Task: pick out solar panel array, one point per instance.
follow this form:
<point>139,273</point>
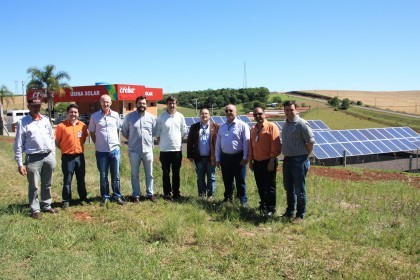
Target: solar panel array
<point>356,142</point>
<point>316,125</point>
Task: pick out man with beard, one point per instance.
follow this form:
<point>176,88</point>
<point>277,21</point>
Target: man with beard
<point>264,148</point>
<point>138,127</point>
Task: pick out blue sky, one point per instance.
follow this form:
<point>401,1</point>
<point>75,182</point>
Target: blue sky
<point>195,45</point>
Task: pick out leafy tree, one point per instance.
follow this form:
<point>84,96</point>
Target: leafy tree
<point>345,104</point>
<point>51,81</point>
<point>5,96</point>
<point>335,102</point>
<point>359,103</point>
<point>276,99</point>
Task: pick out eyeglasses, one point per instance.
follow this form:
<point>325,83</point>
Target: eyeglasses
<point>228,111</point>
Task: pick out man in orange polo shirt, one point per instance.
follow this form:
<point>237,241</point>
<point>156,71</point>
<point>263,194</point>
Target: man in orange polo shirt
<point>70,136</point>
<point>264,148</point>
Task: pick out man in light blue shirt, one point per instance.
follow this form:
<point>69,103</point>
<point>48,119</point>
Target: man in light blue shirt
<point>170,129</point>
<point>35,138</point>
<point>104,128</point>
<point>138,127</point>
<point>232,147</point>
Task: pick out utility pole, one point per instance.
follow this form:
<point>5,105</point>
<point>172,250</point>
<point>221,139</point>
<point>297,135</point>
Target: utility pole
<point>23,96</point>
<point>212,108</point>
<point>196,102</point>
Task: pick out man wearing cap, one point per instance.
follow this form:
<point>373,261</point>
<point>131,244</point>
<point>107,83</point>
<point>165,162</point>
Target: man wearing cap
<point>264,148</point>
<point>35,138</point>
<point>232,154</point>
<point>104,126</point>
<point>70,136</point>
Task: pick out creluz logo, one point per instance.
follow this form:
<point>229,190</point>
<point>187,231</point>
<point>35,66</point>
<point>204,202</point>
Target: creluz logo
<point>148,93</point>
<point>127,89</point>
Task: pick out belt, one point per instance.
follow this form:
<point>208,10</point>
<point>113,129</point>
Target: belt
<point>295,156</point>
<point>232,154</point>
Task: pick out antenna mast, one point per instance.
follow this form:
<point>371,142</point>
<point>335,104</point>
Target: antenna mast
<point>245,79</point>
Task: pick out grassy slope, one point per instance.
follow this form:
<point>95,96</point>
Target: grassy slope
<point>352,230</point>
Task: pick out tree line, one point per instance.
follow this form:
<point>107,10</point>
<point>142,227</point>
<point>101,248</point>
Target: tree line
<point>217,98</point>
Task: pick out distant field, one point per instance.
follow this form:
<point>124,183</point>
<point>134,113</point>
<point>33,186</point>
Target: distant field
<point>401,101</point>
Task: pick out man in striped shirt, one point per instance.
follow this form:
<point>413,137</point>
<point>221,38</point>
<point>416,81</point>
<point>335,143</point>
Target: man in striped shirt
<point>297,144</point>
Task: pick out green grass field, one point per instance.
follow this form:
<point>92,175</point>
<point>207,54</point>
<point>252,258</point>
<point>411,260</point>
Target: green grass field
<point>352,231</point>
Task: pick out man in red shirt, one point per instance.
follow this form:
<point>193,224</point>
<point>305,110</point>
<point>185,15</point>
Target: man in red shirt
<point>70,136</point>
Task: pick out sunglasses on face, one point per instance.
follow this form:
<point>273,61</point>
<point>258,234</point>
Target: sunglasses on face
<point>258,114</point>
<point>228,111</point>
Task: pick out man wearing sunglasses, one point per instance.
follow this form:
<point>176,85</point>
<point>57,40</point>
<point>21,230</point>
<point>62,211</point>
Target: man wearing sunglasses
<point>264,148</point>
<point>232,154</point>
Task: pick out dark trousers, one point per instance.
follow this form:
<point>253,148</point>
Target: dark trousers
<point>169,159</point>
<point>73,164</point>
<point>266,184</point>
<point>232,169</point>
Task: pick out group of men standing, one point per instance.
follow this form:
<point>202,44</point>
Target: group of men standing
<point>230,147</point>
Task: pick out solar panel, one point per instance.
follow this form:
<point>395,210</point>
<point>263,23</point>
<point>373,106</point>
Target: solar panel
<point>409,131</point>
<point>321,125</point>
<point>313,125</point>
<point>217,119</point>
<point>244,118</point>
<point>319,152</point>
<point>367,135</point>
<point>189,121</point>
<point>373,148</point>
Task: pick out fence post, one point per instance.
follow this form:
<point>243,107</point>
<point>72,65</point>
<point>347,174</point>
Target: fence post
<point>344,158</point>
<point>410,164</point>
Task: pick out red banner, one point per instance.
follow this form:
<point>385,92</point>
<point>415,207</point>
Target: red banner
<point>153,93</point>
<point>129,92</point>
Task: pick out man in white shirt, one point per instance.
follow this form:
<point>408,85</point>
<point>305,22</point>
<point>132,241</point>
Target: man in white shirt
<point>170,129</point>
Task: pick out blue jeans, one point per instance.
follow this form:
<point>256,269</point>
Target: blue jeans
<point>135,161</point>
<point>111,161</point>
<point>70,165</point>
<point>294,177</point>
<point>231,169</point>
<point>205,169</point>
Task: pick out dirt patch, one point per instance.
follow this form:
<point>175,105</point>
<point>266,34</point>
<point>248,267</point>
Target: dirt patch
<point>83,216</point>
<point>364,175</point>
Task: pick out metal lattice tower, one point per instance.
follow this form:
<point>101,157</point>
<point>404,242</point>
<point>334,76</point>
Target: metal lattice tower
<point>244,85</point>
